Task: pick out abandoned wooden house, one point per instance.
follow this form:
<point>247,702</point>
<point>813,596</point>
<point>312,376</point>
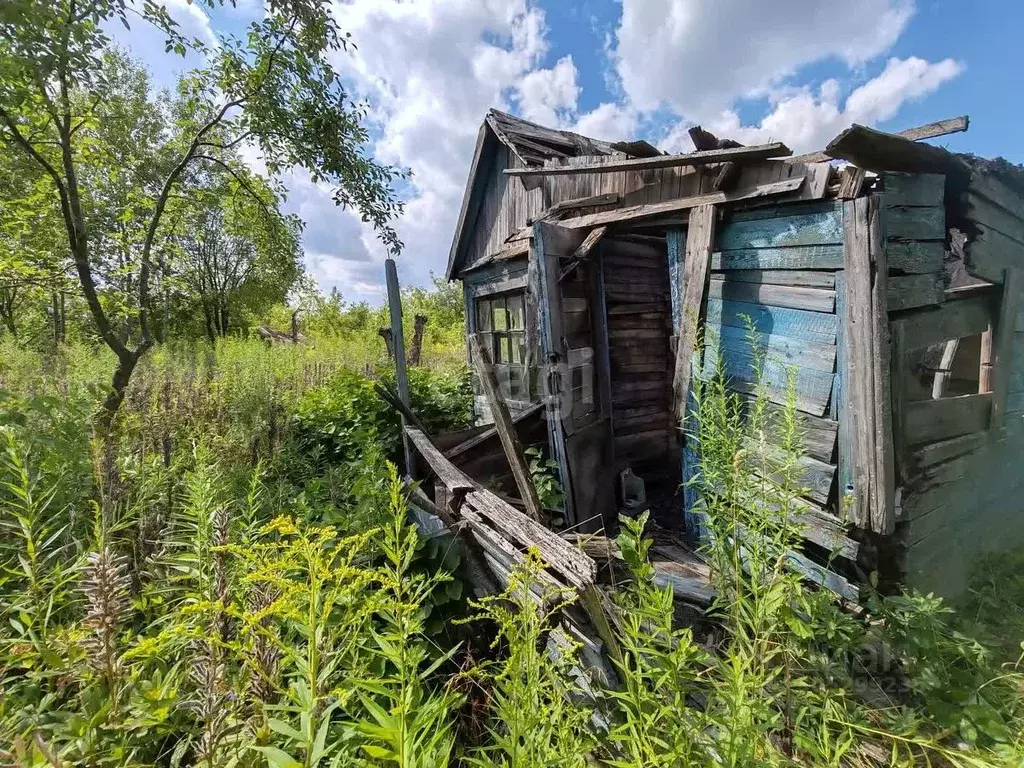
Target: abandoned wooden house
<point>889,286</point>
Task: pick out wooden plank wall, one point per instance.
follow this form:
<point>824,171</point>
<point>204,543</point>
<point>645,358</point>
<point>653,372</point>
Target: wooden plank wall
<point>638,308</point>
<point>960,470</point>
<point>507,205</point>
<point>773,295</point>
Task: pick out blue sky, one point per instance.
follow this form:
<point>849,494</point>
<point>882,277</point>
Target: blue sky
<point>798,71</point>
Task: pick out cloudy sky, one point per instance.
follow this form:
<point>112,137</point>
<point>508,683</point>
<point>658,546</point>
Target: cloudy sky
<point>798,71</point>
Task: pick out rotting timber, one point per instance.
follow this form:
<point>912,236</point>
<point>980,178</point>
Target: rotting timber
<point>601,279</point>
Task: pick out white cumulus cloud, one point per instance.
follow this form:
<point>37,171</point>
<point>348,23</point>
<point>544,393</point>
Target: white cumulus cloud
<point>806,120</point>
<point>696,57</point>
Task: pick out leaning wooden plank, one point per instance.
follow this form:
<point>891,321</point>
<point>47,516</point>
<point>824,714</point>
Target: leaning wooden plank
<point>514,251</point>
<point>699,238</point>
<point>640,212</point>
<point>818,327</point>
<point>883,509</point>
<point>929,131</point>
<point>591,240</point>
<point>793,297</point>
<point>1013,282</point>
<point>680,205</point>
<point>945,372</point>
<point>758,152</point>
<point>572,566</point>
<point>555,211</point>
<point>909,291</point>
<point>505,427</point>
<point>454,479</point>
<point>938,128</point>
<point>488,434</point>
<point>928,421</point>
<point>879,151</point>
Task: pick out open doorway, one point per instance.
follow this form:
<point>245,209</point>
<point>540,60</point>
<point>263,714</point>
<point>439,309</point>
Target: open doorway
<point>638,308</point>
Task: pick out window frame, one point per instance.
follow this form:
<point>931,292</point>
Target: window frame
<point>507,345</point>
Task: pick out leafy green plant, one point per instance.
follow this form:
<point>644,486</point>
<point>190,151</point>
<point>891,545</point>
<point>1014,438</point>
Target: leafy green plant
<point>544,473</point>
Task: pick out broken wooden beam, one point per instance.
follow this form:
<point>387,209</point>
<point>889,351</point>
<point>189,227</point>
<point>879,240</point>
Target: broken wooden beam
<point>506,430</point>
<point>758,152</point>
<point>851,181</point>
<point>918,133</point>
<point>879,151</point>
<point>458,450</point>
<point>583,251</point>
<point>727,177</point>
<point>555,211</point>
<point>681,205</point>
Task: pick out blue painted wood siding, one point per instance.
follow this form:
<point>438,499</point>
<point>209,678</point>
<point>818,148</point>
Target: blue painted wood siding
<point>798,344</point>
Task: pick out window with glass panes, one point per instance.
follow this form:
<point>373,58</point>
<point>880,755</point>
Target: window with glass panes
<point>501,327</point>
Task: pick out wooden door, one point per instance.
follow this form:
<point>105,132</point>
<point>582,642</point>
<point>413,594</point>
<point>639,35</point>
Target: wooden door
<point>573,373</point>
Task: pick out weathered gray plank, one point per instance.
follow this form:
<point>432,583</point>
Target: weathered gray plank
<point>990,253</point>
<point>1002,343</point>
<point>800,257</point>
<point>807,354</point>
<point>928,421</point>
<point>924,223</point>
<point>807,278</point>
<point>915,256</point>
<point>909,291</point>
<point>931,454</point>
<point>860,358</point>
<point>758,152</point>
<point>879,151</point>
<point>499,286</point>
<point>699,237</point>
<point>818,327</point>
<point>929,131</point>
<point>991,216</point>
<point>681,205</point>
<point>883,509</point>
<point>951,320</point>
<point>793,297</point>
<point>916,189</point>
<point>821,225</point>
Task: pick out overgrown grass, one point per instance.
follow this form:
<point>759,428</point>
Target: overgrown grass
<point>219,588</point>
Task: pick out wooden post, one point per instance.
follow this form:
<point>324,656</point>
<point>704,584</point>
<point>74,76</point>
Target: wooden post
<point>395,307</point>
<point>700,238</point>
<point>417,340</point>
<point>505,428</point>
<point>985,371</point>
<point>1002,344</point>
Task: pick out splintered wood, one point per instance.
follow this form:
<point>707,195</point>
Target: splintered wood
<point>696,268</point>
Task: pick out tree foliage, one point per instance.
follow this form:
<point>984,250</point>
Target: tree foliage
<point>116,159</point>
